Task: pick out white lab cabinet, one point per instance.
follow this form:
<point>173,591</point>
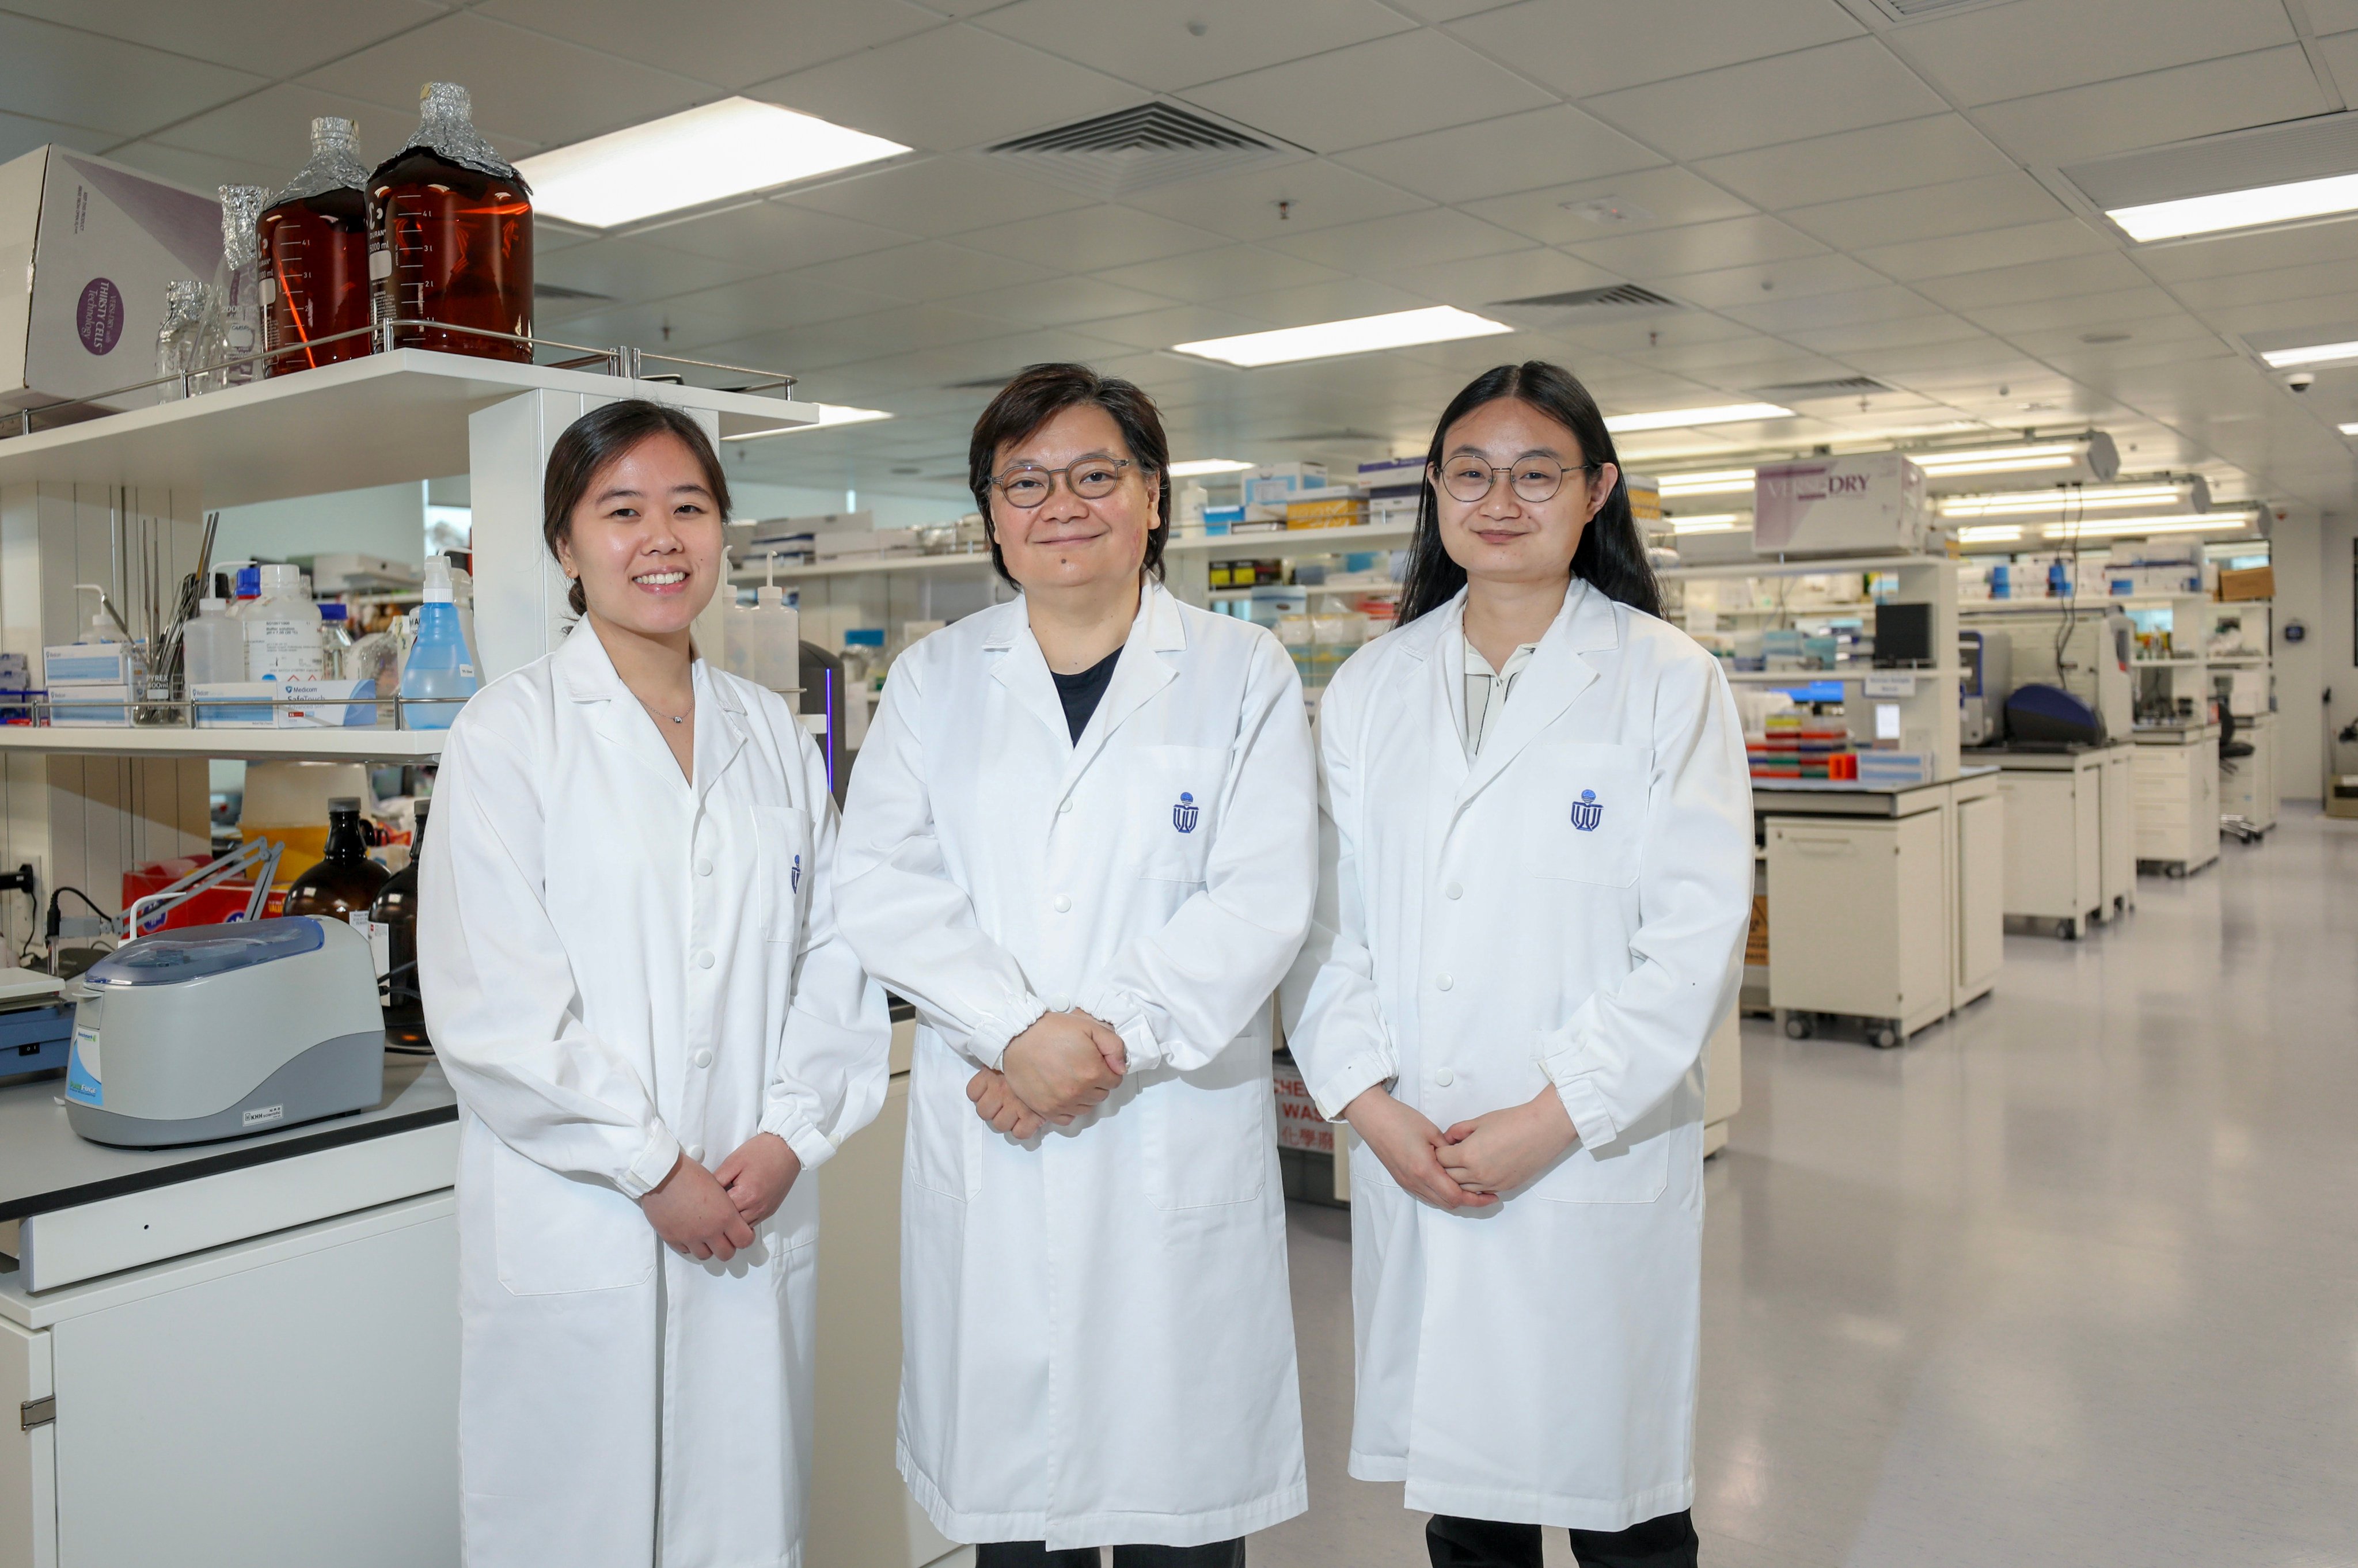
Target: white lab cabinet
<point>2248,786</point>
<point>2175,786</point>
<point>1977,876</point>
<point>2056,878</point>
<point>2116,820</point>
<point>1858,917</point>
<point>1723,1082</point>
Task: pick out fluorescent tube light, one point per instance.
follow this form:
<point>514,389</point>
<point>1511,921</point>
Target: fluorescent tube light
<point>1680,418</point>
<point>1196,466</point>
<point>1996,459</point>
<point>2238,208</point>
<point>2205,523</point>
<point>1359,335</point>
<point>1720,481</point>
<point>2309,354</point>
<point>829,413</point>
<point>1989,534</point>
<point>691,159</point>
<point>2095,498</point>
<point>2349,429</point>
<point>1709,523</point>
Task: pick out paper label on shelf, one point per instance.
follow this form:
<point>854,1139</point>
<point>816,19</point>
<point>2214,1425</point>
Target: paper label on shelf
<point>1891,686</point>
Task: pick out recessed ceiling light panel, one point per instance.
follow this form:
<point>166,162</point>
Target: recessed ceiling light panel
<point>691,159</point>
<point>829,414</point>
<point>1195,467</point>
<point>1332,340</point>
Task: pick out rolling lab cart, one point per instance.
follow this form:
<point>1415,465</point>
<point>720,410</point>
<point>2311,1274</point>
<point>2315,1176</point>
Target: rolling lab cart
<point>2176,781</point>
<point>2056,802</point>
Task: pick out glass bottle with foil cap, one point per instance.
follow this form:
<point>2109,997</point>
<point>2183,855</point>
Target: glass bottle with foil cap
<point>315,255</point>
<point>451,221</point>
<point>175,340</point>
<point>232,334</point>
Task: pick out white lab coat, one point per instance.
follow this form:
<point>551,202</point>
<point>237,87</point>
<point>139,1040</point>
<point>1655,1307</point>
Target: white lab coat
<point>617,965</point>
<point>1568,908</point>
<point>1098,1342</point>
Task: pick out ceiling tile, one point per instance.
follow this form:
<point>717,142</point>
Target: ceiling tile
<point>2079,311</point>
<point>1580,49</point>
<point>1110,236</point>
<point>771,236</point>
<point>273,127</point>
<point>729,43</point>
<point>1949,207</point>
<point>2040,46</point>
<point>1795,280</point>
<point>1699,247</point>
<point>1169,47</point>
<point>852,338</point>
<point>1515,152</point>
<point>1901,332</point>
<point>1180,324</point>
<point>1479,281</point>
<point>1887,303</point>
<point>1406,240</point>
<point>1062,302</point>
<point>2160,106</point>
<point>1859,163</point>
<point>1338,301</point>
<point>936,196</point>
<point>2333,16</point>
<point>273,38</point>
<point>2254,252</point>
<point>79,78</point>
<point>1275,203</point>
<point>193,170</point>
<point>1206,275</point>
<point>531,90</point>
<point>1648,199</point>
<point>949,88</point>
<point>1377,91</point>
<point>1835,87</point>
<point>633,271</point>
<point>930,269</point>
<point>2259,287</point>
<point>1451,10</point>
<point>20,134</point>
<point>2040,280</point>
<point>1987,248</point>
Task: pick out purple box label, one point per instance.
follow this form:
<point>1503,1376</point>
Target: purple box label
<point>99,317</point>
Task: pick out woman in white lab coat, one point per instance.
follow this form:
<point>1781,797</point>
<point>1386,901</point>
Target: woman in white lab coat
<point>1082,840</point>
<point>1537,836</point>
<point>631,974</point>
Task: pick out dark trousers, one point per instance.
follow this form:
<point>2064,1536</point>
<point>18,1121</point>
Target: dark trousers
<point>1665,1543</point>
<point>1035,1555</point>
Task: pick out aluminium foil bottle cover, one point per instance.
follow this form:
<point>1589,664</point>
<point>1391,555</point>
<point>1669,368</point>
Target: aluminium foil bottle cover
<point>314,243</point>
<point>452,229</point>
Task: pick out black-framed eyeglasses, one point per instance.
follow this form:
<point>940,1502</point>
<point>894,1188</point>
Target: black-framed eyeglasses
<point>1534,479</point>
<point>1026,485</point>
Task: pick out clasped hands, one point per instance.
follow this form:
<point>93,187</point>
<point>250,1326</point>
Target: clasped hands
<point>704,1214</point>
<point>1472,1163</point>
<point>1054,1071</point>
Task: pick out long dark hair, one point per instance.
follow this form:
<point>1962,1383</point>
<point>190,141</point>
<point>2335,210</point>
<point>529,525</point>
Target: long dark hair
<point>596,438</point>
<point>1037,395</point>
<point>1611,556</point>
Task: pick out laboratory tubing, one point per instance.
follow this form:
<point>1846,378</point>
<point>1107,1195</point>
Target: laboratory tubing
<point>231,333</point>
<point>451,221</point>
<point>440,675</point>
<point>314,240</point>
<point>345,881</point>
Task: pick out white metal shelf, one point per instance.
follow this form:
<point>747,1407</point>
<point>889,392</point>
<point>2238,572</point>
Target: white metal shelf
<point>1806,677</point>
<point>754,575</point>
<point>1294,541</point>
<point>2167,664</point>
<point>2236,659</point>
<point>1827,567</point>
<point>387,418</point>
<point>248,745</point>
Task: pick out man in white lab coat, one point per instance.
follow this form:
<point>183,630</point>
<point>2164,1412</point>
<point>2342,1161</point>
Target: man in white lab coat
<point>1082,840</point>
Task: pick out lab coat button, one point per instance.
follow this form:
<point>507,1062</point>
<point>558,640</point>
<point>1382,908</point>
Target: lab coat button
<point>1454,891</point>
<point>1443,1077</point>
<point>1063,905</point>
<point>703,868</point>
<point>1444,981</point>
<point>696,1152</point>
<point>702,1058</point>
<point>704,960</point>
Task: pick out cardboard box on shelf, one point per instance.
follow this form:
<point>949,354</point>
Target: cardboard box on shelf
<point>2237,584</point>
<point>90,246</point>
<point>1340,512</point>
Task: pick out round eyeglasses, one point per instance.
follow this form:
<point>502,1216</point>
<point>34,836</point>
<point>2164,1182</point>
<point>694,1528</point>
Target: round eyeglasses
<point>1534,479</point>
<point>1026,485</point>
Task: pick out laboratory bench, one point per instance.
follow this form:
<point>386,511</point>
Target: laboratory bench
<point>2175,777</point>
<point>2071,834</point>
<point>1884,903</point>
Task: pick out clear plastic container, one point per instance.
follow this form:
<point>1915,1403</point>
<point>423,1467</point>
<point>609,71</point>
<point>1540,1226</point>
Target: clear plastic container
<point>283,635</point>
<point>175,342</point>
<point>335,638</point>
<point>213,652</point>
<point>440,675</point>
<point>314,240</point>
<point>452,221</point>
<point>773,631</point>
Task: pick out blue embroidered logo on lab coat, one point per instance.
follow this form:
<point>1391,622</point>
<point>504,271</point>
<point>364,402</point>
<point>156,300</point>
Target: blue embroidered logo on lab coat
<point>1183,815</point>
<point>1587,813</point>
<point>795,876</point>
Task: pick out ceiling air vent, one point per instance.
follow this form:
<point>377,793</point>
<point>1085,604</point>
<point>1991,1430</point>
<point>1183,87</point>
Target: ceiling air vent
<point>1582,307</point>
<point>979,383</point>
<point>1137,149</point>
<point>563,295</point>
<point>1818,391</point>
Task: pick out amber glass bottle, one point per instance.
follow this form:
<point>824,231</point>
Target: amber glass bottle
<point>315,255</point>
<point>452,227</point>
<point>345,881</point>
<point>397,911</point>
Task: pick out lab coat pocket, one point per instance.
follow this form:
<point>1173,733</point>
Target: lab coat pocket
<point>1174,795</point>
<point>1621,1172</point>
<point>556,1234</point>
<point>1585,811</point>
<point>781,861</point>
<point>1210,1135</point>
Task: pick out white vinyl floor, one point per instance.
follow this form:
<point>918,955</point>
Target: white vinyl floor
<point>2072,1279</point>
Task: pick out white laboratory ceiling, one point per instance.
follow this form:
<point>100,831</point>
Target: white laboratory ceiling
<point>1870,192</point>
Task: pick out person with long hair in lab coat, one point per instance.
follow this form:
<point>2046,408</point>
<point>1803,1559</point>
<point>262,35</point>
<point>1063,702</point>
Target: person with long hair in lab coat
<point>1082,840</point>
<point>632,974</point>
<point>1536,877</point>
